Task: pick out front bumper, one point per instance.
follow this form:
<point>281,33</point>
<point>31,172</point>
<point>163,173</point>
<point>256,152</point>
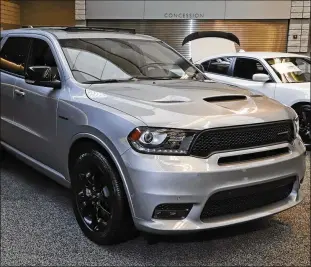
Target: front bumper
<point>158,179</point>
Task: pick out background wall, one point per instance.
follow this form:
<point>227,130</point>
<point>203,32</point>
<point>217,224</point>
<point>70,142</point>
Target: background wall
<point>296,12</point>
<point>16,13</point>
<point>228,9</point>
<point>10,14</point>
<point>299,27</point>
<point>44,12</point>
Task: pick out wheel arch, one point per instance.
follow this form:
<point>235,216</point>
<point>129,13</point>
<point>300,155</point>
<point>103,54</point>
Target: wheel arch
<point>299,103</point>
<point>108,152</point>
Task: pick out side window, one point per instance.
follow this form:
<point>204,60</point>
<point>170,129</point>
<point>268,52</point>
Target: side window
<point>219,66</point>
<point>303,65</point>
<point>41,55</point>
<point>205,65</point>
<point>245,68</point>
<point>14,54</point>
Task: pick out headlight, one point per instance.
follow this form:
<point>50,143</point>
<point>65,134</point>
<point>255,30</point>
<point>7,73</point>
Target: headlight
<point>161,141</point>
<point>296,125</point>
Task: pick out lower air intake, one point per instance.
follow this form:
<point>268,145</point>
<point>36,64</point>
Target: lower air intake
<point>247,198</point>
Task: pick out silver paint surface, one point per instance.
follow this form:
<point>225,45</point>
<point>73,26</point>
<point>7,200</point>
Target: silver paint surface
<point>33,128</point>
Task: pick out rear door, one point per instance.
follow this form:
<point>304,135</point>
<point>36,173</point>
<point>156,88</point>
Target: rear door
<point>13,57</point>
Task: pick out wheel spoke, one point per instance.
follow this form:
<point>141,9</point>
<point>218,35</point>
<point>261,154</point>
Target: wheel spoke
<point>101,226</point>
<point>83,200</point>
<point>90,179</point>
<point>94,198</point>
<point>104,211</point>
<point>90,215</point>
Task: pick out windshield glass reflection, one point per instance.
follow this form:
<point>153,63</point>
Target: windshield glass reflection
<point>95,60</point>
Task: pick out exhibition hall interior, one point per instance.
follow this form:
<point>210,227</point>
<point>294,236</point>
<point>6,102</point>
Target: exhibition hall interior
<point>155,133</point>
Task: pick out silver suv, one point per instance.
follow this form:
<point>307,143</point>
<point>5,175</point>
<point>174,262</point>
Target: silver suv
<point>141,138</point>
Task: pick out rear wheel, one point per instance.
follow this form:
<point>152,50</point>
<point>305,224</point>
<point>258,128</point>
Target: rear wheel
<point>99,201</point>
<point>304,113</point>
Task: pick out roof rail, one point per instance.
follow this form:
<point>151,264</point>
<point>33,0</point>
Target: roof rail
<point>43,26</point>
<point>72,29</point>
<point>81,28</point>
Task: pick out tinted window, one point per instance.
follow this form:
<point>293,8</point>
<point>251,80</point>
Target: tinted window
<point>96,59</point>
<point>219,66</point>
<point>13,54</point>
<point>291,69</point>
<point>245,68</point>
<point>41,55</point>
<point>205,65</point>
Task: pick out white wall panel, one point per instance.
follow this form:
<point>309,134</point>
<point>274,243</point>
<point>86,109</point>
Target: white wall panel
<point>96,9</point>
<point>229,9</point>
<point>184,9</point>
<point>258,9</point>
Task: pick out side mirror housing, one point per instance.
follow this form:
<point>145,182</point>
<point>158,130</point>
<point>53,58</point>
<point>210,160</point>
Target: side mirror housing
<point>41,76</point>
<point>261,77</point>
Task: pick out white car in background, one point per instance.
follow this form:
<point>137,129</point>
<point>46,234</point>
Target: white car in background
<point>282,76</point>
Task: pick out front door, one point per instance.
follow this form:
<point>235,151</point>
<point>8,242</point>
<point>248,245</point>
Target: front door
<point>242,76</point>
<point>36,108</point>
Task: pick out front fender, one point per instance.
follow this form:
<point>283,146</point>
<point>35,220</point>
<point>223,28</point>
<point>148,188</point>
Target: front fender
<point>106,144</point>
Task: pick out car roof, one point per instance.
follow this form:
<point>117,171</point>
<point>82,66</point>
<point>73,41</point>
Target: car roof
<point>261,55</point>
<point>82,32</point>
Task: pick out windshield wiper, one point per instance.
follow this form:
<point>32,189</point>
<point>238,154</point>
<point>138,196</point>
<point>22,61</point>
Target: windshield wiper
<point>153,78</point>
<point>110,81</point>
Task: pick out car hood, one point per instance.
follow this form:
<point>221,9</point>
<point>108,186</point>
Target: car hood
<point>187,104</point>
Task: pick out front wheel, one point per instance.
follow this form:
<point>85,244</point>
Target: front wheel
<point>304,114</point>
<point>2,153</point>
<point>99,200</point>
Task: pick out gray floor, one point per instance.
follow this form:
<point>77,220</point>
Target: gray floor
<point>38,228</point>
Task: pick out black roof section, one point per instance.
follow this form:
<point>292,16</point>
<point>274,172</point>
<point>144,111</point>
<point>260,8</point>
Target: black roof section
<point>218,34</point>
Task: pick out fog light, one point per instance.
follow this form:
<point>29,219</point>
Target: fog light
<point>172,211</point>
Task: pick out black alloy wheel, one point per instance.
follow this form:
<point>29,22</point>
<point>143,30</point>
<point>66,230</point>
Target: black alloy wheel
<point>304,114</point>
<point>2,153</point>
<point>99,201</point>
<point>93,198</point>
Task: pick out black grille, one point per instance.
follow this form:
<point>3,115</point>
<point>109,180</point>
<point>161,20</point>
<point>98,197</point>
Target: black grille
<point>247,198</point>
<point>238,137</point>
<point>253,156</point>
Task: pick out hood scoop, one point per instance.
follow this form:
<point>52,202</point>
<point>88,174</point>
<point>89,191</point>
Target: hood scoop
<point>225,98</point>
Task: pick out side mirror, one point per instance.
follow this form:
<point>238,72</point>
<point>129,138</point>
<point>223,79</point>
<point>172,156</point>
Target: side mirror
<point>261,77</point>
<point>200,67</point>
<point>41,76</point>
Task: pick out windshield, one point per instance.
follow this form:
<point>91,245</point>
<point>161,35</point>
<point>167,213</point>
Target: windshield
<point>291,69</point>
<point>100,59</point>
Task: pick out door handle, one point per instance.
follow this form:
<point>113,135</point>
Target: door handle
<point>19,92</point>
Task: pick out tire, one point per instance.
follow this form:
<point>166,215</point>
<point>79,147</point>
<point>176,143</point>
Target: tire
<point>99,200</point>
<point>304,113</point>
<point>2,153</point>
